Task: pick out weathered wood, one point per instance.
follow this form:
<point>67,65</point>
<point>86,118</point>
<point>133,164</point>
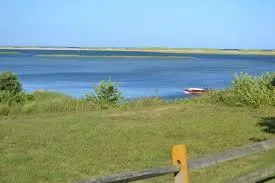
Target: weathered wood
<point>235,153</point>
<point>256,176</point>
<point>134,176</point>
<point>179,177</point>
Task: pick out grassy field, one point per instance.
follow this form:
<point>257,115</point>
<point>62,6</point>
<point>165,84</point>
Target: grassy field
<point>52,142</point>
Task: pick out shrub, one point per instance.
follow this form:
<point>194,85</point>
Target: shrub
<point>272,79</point>
<point>249,90</point>
<point>9,82</point>
<point>106,94</point>
<point>11,90</point>
<point>11,98</point>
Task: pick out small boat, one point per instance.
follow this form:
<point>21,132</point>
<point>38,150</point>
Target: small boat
<point>193,90</point>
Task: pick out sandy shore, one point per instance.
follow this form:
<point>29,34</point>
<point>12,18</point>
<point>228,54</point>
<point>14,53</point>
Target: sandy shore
<point>160,50</point>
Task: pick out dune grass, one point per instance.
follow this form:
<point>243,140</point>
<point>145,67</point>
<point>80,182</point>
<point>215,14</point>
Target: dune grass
<point>59,139</point>
<point>48,102</point>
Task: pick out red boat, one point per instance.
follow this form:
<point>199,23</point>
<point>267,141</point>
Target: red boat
<point>193,90</point>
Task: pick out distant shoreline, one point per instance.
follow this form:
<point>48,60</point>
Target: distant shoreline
<point>157,50</point>
<point>114,56</point>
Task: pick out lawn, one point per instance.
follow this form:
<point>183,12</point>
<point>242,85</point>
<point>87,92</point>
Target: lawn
<point>68,146</point>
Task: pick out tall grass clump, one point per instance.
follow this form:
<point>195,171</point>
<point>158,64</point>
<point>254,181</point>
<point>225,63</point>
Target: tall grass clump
<point>106,94</point>
<point>50,102</point>
<point>141,103</point>
<point>247,90</point>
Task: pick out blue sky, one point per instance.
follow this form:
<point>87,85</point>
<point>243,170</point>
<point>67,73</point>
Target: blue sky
<point>139,23</point>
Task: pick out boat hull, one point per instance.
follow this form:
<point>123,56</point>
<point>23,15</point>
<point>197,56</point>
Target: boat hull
<point>193,90</point>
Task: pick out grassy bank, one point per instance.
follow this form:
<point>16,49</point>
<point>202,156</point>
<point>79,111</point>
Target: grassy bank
<point>58,143</point>
<point>50,137</point>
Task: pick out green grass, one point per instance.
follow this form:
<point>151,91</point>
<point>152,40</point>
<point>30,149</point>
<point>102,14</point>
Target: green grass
<point>54,142</point>
<point>235,169</point>
<point>47,102</point>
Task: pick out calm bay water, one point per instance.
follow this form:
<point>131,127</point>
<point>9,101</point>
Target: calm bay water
<point>138,77</point>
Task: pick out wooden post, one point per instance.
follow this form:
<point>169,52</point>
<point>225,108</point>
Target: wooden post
<point>179,157</point>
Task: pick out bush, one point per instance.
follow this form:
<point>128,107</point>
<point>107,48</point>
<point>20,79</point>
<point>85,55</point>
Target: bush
<point>9,82</point>
<point>106,94</point>
<point>10,98</point>
<point>249,90</point>
<point>11,90</point>
<point>273,79</point>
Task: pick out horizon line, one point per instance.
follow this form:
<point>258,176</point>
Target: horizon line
<point>132,47</point>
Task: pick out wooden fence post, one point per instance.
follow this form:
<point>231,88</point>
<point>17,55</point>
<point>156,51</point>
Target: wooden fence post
<point>179,157</point>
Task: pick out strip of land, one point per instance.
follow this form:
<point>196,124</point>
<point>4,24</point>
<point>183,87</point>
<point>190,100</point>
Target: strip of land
<point>158,50</point>
<point>114,56</point>
<point>9,52</point>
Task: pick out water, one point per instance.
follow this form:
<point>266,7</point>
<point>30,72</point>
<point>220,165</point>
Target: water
<point>138,77</point>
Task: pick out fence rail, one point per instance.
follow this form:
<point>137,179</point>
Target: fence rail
<point>232,154</point>
<point>134,176</point>
<point>259,175</point>
<point>181,166</point>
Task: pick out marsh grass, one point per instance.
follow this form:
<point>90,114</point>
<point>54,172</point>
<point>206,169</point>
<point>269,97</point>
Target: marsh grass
<point>245,90</point>
<point>47,102</point>
<point>51,102</point>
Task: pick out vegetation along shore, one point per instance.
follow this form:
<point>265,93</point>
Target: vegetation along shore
<point>51,137</point>
<point>153,49</point>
